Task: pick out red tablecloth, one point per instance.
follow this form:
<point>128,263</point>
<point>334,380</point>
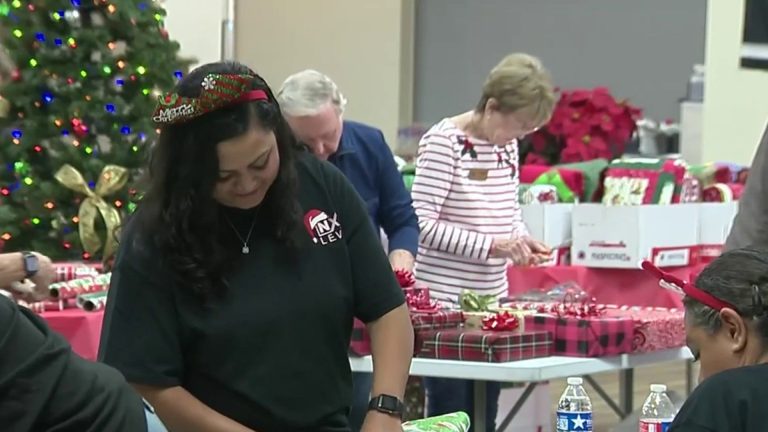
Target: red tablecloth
<point>622,287</point>
<point>82,329</point>
<point>608,286</point>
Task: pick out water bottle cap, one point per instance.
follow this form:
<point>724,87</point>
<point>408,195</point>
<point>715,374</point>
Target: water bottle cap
<point>658,388</point>
<point>575,381</point>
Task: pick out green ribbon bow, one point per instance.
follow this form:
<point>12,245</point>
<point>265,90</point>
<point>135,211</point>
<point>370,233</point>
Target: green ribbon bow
<point>553,178</point>
<point>473,302</point>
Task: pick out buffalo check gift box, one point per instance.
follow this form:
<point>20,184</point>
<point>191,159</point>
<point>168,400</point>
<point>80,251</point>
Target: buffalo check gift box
<point>484,345</point>
<point>595,336</point>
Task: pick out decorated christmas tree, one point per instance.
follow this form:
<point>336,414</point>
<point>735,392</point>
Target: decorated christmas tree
<point>83,82</point>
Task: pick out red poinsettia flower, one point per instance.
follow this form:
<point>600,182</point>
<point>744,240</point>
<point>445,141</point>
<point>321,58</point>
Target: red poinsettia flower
<point>585,124</point>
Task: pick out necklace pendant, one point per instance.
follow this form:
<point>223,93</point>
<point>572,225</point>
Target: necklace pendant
<point>246,249</point>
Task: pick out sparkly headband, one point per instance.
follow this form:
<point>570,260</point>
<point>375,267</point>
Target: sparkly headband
<point>673,283</point>
<point>218,91</point>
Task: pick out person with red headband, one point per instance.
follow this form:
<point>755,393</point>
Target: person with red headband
<point>726,325</point>
<point>239,275</point>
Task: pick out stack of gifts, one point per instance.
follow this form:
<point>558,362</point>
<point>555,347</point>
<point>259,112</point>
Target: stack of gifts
<point>486,336</point>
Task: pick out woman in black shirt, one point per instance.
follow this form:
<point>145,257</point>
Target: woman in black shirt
<point>236,281</point>
<point>726,323</point>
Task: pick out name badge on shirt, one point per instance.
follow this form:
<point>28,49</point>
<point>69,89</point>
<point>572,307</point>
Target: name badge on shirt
<point>478,174</point>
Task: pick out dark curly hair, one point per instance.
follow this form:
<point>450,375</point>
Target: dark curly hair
<point>739,277</point>
<point>178,211</point>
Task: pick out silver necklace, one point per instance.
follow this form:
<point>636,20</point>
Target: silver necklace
<point>245,250</point>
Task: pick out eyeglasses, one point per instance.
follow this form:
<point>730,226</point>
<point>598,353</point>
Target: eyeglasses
<point>673,283</point>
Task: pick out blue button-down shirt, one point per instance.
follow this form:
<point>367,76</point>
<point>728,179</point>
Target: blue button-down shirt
<point>366,160</point>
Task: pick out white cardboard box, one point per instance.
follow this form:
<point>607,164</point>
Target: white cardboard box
<point>715,222</point>
<point>623,236</point>
<point>551,224</point>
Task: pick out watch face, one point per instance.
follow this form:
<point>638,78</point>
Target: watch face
<point>31,264</point>
<point>389,403</point>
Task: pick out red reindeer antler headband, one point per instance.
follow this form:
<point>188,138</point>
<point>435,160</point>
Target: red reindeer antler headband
<point>671,282</point>
<point>219,91</point>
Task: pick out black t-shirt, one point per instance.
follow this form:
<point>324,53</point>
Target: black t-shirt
<point>45,387</point>
<point>272,353</point>
<point>734,400</point>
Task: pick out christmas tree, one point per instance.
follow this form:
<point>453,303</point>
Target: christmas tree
<point>80,93</point>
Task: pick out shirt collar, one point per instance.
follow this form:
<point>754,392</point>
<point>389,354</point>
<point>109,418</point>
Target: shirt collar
<point>346,143</point>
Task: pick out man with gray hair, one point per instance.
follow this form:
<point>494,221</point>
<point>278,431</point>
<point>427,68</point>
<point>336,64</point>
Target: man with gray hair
<point>314,106</point>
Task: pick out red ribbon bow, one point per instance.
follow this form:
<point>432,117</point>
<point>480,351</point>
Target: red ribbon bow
<point>418,300</point>
<point>501,321</point>
<point>405,278</point>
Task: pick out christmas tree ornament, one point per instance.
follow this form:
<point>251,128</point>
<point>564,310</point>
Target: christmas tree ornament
<point>79,128</point>
<point>112,179</point>
<point>73,18</point>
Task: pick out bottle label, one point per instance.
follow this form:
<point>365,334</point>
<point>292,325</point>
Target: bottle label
<point>574,421</point>
<point>654,425</point>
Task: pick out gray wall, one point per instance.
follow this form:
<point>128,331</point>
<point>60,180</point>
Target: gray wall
<point>642,50</point>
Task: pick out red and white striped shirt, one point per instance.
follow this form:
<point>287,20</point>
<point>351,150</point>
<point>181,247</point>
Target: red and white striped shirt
<point>465,194</point>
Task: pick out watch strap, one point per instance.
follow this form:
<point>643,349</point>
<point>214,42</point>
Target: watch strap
<point>386,404</point>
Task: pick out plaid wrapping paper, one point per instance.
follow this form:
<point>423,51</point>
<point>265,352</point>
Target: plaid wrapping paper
<point>360,343</point>
<point>655,329</point>
<point>66,271</point>
<point>585,337</point>
<point>485,346</point>
<point>442,319</point>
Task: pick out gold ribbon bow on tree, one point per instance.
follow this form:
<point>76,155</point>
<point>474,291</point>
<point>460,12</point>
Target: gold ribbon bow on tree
<point>111,180</point>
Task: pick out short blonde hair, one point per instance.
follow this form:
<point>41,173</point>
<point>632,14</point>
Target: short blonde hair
<point>520,83</point>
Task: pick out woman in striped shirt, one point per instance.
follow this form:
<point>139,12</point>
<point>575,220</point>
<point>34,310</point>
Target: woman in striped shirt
<point>466,198</point>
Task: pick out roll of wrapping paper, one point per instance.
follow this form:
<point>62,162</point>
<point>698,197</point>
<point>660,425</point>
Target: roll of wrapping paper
<point>75,287</point>
<point>47,305</point>
<point>92,301</point>
<point>456,422</point>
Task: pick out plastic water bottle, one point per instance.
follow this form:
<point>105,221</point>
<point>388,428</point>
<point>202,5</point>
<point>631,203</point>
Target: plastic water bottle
<point>574,409</point>
<point>696,84</point>
<point>658,410</point>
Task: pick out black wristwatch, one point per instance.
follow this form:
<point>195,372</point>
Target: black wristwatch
<point>386,404</point>
<point>31,264</point>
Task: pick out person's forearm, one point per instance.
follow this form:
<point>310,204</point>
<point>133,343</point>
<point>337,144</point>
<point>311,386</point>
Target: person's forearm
<point>11,269</point>
<point>182,412</point>
<point>392,349</point>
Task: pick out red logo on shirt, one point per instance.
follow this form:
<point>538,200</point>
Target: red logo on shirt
<point>323,229</point>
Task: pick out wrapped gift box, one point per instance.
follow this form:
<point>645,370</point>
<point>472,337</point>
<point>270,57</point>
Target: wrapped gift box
<point>635,181</point>
<point>485,346</point>
<point>360,342</point>
<point>441,319</point>
<point>585,337</point>
<point>655,328</point>
<point>66,271</point>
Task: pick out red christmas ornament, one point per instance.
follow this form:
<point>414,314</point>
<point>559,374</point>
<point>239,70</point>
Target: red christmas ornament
<point>79,128</point>
<point>163,33</point>
<point>15,75</point>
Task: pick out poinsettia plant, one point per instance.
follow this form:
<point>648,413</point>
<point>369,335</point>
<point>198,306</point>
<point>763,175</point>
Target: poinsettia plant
<point>586,124</point>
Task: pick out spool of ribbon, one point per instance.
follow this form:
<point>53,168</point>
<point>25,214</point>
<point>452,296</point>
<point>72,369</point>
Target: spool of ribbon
<point>111,180</point>
<point>473,302</point>
<point>501,321</point>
